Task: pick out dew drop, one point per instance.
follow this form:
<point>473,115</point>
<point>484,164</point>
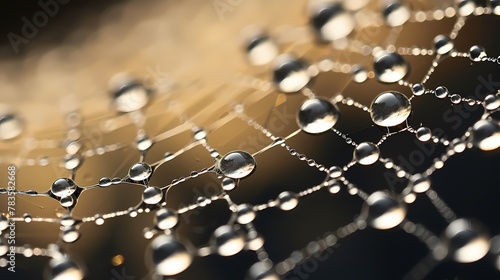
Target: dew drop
<point>359,74</point>
<point>467,240</point>
<point>441,92</point>
<point>199,134</point>
<point>455,98</point>
<point>390,108</point>
<point>335,172</point>
<point>236,164</point>
<point>424,134</point>
<point>229,241</point>
<point>419,183</point>
<point>166,219</point>
<point>72,162</point>
<point>140,171</point>
<point>27,218</point>
<point>332,22</point>
<point>143,143</point>
<point>67,221</point>
<point>69,234</point>
<point>262,271</point>
<point>67,201</point>
<point>104,182</point>
<point>228,184</point>
<point>63,187</point>
<point>152,195</point>
<point>443,44</point>
<point>128,95</point>
<point>486,135</point>
<point>317,115</point>
<point>491,102</point>
<point>366,153</point>
<point>290,73</point>
<point>10,126</point>
<point>418,89</point>
<point>390,67</point>
<point>64,268</point>
<point>169,256</point>
<point>244,214</point>
<point>287,200</point>
<point>382,211</point>
<point>261,50</point>
<point>396,14</point>
<point>465,7</point>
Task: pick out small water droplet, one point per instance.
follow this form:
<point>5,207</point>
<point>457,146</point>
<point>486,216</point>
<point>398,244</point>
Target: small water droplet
<point>261,50</point>
<point>166,219</point>
<point>244,214</point>
<point>63,187</point>
<point>228,184</point>
<point>236,164</point>
<point>152,195</point>
<point>69,234</point>
<point>396,14</point>
<point>441,92</point>
<point>443,44</point>
<point>418,89</point>
<point>10,126</point>
<point>390,108</point>
<point>332,22</point>
<point>169,256</point>
<point>424,134</point>
<point>486,135</point>
<point>382,211</point>
<point>140,171</point>
<point>128,95</point>
<point>229,241</point>
<point>290,73</point>
<point>317,115</point>
<point>390,67</point>
<point>287,200</point>
<point>104,182</point>
<point>366,153</point>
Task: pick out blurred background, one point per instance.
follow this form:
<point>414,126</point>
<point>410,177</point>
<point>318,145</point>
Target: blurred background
<point>192,54</point>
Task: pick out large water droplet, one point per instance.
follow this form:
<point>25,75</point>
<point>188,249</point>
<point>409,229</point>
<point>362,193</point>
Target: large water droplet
<point>236,164</point>
<point>140,171</point>
<point>170,257</point>
<point>332,22</point>
<point>366,153</point>
<point>229,241</point>
<point>396,14</point>
<point>290,73</point>
<point>287,200</point>
<point>166,219</point>
<point>64,269</point>
<point>69,234</point>
<point>419,183</point>
<point>390,67</point>
<point>465,7</point>
<point>467,240</point>
<point>317,115</point>
<point>261,50</point>
<point>128,95</point>
<point>10,126</point>
<point>244,214</point>
<point>63,187</point>
<point>390,108</point>
<point>262,271</point>
<point>382,211</point>
<point>443,44</point>
<point>152,195</point>
<point>486,135</point>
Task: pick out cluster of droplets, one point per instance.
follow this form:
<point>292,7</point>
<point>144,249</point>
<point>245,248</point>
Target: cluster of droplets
<point>463,240</point>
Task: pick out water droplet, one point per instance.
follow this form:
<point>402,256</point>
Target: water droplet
<point>465,7</point>
<point>99,220</point>
<point>495,6</point>
<point>419,183</point>
<point>63,187</point>
<point>72,162</point>
<point>467,240</point>
<point>203,201</point>
<point>424,134</point>
<point>104,182</point>
<point>69,234</point>
<point>199,134</point>
<point>236,164</point>
<point>228,184</point>
<point>359,74</point>
<point>333,186</point>
<point>290,73</point>
<point>418,89</point>
<point>382,211</point>
<point>390,108</point>
<point>169,256</point>
<point>140,171</point>
<point>455,98</point>
<point>332,22</point>
<point>390,67</point>
<point>143,143</point>
<point>10,126</point>
<point>441,92</point>
<point>31,192</point>
<point>317,115</point>
<point>116,180</point>
<point>335,172</point>
<point>152,195</point>
<point>166,219</point>
<point>67,201</point>
<point>244,214</point>
<point>73,147</point>
<point>261,50</point>
<point>486,135</point>
<point>443,44</point>
<point>214,154</point>
<point>27,218</point>
<point>491,102</point>
<point>128,95</point>
<point>366,153</point>
<point>254,241</point>
<point>262,271</point>
<point>287,200</point>
<point>494,248</point>
<point>67,221</point>
<point>64,268</point>
<point>229,241</point>
<point>396,14</point>
<point>354,5</point>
